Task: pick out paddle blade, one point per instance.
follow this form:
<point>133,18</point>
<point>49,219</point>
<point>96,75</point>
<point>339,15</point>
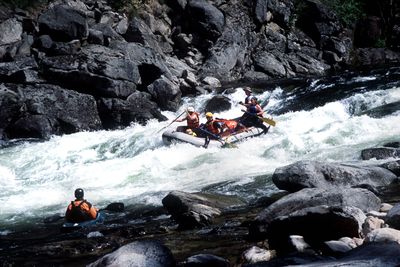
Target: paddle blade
<point>229,145</point>
<point>269,121</point>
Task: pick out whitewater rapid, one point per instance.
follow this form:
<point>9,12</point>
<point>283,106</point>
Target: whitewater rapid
<point>132,165</point>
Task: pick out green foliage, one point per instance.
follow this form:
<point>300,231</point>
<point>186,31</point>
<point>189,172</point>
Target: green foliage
<point>129,7</point>
<point>380,43</point>
<point>348,11</point>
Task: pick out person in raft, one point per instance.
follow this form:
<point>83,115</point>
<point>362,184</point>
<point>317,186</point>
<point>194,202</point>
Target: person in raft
<point>193,121</point>
<point>80,209</point>
<point>218,128</point>
<point>252,115</point>
<point>249,95</point>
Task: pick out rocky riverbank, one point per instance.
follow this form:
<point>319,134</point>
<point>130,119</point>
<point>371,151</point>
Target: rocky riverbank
<point>324,213</point>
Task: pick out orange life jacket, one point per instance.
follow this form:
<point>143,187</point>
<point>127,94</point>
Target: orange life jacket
<point>193,120</point>
<point>229,124</point>
<point>210,126</point>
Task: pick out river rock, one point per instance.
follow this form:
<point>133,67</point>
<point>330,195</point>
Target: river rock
<point>305,174</point>
<point>393,217</point>
<point>316,224</point>
<point>393,166</point>
<point>64,23</point>
<point>147,253</point>
<point>49,109</point>
<point>383,235</point>
<point>218,103</point>
<point>380,153</point>
<point>205,260</point>
<point>196,210</point>
<point>311,197</point>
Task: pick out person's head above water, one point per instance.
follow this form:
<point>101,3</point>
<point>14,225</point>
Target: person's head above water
<point>79,193</point>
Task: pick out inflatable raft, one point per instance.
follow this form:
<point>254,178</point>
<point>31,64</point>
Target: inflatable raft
<point>172,136</point>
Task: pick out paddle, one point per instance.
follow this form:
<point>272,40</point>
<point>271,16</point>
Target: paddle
<point>223,142</point>
<point>266,120</point>
<point>171,122</point>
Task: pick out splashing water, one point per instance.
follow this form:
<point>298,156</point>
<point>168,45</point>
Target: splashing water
<point>134,166</point>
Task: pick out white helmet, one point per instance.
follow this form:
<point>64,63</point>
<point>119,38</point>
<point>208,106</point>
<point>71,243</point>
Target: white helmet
<point>190,109</point>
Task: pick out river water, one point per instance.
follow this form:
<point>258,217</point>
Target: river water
<point>133,166</point>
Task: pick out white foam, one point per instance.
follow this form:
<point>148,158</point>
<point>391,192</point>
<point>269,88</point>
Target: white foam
<point>132,165</point>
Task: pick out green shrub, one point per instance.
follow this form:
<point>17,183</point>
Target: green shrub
<point>348,11</point>
<point>130,7</point>
<point>380,43</point>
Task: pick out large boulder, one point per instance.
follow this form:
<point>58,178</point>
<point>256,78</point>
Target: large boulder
<point>205,19</point>
<point>363,199</point>
<point>10,37</point>
<point>305,174</point>
<point>368,254</point>
<point>196,210</point>
<point>10,31</point>
<point>64,23</point>
<point>10,107</point>
<point>218,103</point>
<point>49,109</point>
<point>138,107</point>
<point>380,153</point>
<point>24,70</point>
<point>165,93</point>
<point>316,224</point>
<point>97,70</point>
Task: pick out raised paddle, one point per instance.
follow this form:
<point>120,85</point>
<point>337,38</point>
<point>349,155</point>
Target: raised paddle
<point>266,120</point>
<point>171,122</point>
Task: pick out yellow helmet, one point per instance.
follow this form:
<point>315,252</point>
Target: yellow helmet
<point>209,114</point>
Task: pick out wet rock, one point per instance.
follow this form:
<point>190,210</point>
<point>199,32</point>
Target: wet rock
<point>165,93</point>
<point>383,235</point>
<point>316,224</point>
<point>393,217</point>
<point>311,197</point>
<point>380,153</point>
<point>304,174</point>
<point>205,260</point>
<point>336,248</point>
<point>138,254</point>
<point>138,107</point>
<point>218,103</point>
<point>393,166</point>
<point>256,254</point>
<point>196,210</point>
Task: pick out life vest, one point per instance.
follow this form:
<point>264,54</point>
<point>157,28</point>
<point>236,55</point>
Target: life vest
<point>211,126</point>
<point>77,213</point>
<point>193,120</point>
<point>252,109</point>
<point>230,124</point>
